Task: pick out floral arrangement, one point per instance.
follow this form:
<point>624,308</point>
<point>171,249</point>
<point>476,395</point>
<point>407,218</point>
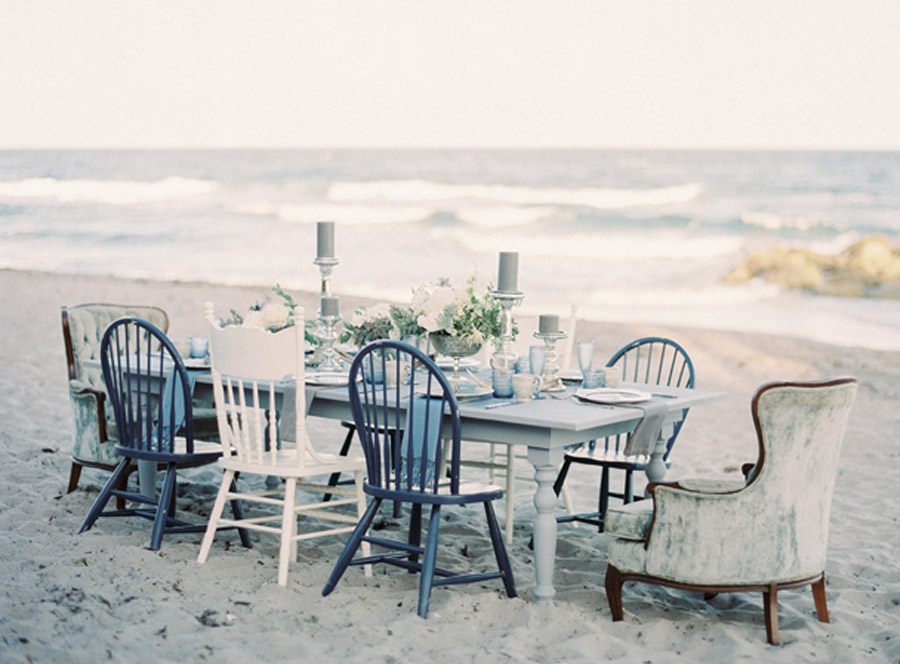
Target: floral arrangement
<point>381,321</point>
<point>470,313</point>
<point>273,315</point>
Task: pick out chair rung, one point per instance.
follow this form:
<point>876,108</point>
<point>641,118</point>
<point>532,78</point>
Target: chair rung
<point>347,490</point>
<point>377,558</point>
<point>186,528</point>
<point>466,578</point>
<point>134,496</point>
<point>324,533</point>
<point>258,519</point>
<point>249,526</point>
<point>394,544</point>
<point>592,518</point>
<point>309,507</point>
<point>332,516</point>
<point>255,498</point>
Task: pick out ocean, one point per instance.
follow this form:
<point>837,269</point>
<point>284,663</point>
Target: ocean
<point>641,236</point>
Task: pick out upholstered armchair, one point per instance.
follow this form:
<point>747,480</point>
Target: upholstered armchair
<point>764,535</point>
<point>95,437</point>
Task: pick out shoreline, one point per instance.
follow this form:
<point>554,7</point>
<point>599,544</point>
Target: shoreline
<point>102,595</point>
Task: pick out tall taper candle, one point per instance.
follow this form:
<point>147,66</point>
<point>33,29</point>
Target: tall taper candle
<point>508,272</point>
<point>330,306</point>
<point>548,324</point>
<point>325,239</point>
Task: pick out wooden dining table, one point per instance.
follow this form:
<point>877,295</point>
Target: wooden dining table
<point>546,427</point>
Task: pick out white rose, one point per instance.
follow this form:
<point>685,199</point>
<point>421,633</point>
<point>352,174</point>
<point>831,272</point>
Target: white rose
<point>275,315</point>
<point>254,319</point>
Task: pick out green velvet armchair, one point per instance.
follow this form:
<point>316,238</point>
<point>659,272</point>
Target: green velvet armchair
<point>763,535</point>
<point>94,443</point>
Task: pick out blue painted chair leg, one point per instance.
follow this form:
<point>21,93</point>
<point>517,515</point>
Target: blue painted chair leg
<point>561,477</point>
<point>162,508</point>
<point>238,511</point>
<point>105,494</point>
<point>500,550</point>
<point>352,545</point>
<point>415,531</point>
<point>429,561</point>
<point>603,498</point>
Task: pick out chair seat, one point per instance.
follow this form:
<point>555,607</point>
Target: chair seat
<point>602,457</point>
<point>203,453</point>
<point>631,521</point>
<point>285,464</point>
<point>469,492</point>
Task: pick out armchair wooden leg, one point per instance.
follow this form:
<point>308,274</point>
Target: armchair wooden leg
<point>709,596</point>
<point>770,605</point>
<point>818,591</point>
<point>74,476</point>
<point>614,582</point>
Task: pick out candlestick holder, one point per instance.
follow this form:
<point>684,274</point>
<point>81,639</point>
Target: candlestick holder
<point>505,359</point>
<point>551,381</point>
<point>327,334</point>
<point>326,265</point>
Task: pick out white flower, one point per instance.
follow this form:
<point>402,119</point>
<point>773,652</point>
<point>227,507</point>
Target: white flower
<point>254,319</point>
<point>437,307</point>
<point>275,315</point>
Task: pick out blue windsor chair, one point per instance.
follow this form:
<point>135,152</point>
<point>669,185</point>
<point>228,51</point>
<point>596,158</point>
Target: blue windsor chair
<point>428,417</point>
<point>651,361</point>
<point>150,391</point>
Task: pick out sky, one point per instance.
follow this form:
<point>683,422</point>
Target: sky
<point>813,74</point>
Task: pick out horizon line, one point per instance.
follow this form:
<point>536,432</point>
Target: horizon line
<point>223,148</point>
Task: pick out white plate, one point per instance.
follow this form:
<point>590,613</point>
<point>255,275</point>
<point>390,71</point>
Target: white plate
<point>196,362</point>
<point>468,391</point>
<point>571,376</point>
<point>332,379</point>
<point>611,395</point>
<point>464,363</point>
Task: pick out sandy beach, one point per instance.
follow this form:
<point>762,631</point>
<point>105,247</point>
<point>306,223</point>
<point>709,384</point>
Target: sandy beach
<point>103,596</point>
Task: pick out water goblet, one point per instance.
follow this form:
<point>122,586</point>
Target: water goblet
<point>585,356</point>
<point>537,356</point>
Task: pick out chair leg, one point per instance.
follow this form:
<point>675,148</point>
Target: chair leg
<point>238,511</point>
<point>770,605</point>
<point>561,477</point>
<point>614,582</point>
<point>358,480</point>
<point>818,591</point>
<point>345,450</point>
<point>74,476</point>
<point>415,531</point>
<point>123,486</point>
<point>350,547</point>
<point>105,493</point>
<point>510,492</point>
<point>214,517</point>
<point>162,508</point>
<point>603,498</point>
<point>629,487</point>
<point>429,561</point>
<point>500,550</point>
<point>288,524</point>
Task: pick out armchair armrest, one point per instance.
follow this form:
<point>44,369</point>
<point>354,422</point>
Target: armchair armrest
<point>82,393</point>
<point>701,485</point>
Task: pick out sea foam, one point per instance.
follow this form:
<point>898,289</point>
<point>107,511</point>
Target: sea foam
<point>605,198</point>
<point>108,192</point>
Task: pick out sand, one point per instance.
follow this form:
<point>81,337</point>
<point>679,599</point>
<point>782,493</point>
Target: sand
<point>103,596</point>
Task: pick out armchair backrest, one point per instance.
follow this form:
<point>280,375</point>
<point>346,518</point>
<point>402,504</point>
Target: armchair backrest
<point>83,326</point>
<point>800,427</point>
<point>405,412</point>
<point>252,370</point>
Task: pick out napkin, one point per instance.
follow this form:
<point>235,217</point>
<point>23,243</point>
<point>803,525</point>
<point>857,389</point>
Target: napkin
<point>646,434</point>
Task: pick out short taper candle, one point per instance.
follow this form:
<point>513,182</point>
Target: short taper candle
<point>508,272</point>
<point>325,239</point>
<point>330,306</point>
<point>548,324</point>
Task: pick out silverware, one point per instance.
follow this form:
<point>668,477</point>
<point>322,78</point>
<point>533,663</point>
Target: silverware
<point>475,379</point>
<point>665,396</point>
<point>501,404</point>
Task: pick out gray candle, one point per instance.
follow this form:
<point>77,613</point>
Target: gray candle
<point>325,239</point>
<point>548,324</point>
<point>508,272</point>
<point>330,306</point>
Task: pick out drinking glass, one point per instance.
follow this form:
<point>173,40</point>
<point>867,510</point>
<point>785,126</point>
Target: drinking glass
<point>585,356</point>
<point>537,355</point>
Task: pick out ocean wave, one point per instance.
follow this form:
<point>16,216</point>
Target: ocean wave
<point>343,214</point>
<point>604,198</point>
<point>108,192</point>
<point>635,246</point>
<point>776,222</point>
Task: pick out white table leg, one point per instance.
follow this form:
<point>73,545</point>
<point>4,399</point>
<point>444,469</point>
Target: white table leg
<point>656,467</point>
<point>147,477</point>
<point>546,464</point>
